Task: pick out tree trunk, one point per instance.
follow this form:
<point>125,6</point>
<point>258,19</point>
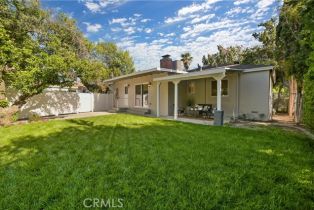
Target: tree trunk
<point>2,87</point>
<point>278,98</point>
<point>2,90</point>
<point>298,106</point>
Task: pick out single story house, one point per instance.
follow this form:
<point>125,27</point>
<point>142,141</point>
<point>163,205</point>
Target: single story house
<point>241,91</point>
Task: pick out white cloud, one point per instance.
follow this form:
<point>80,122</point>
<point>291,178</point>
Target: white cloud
<point>189,11</point>
<point>196,7</point>
<point>124,22</point>
<point>174,19</point>
<point>118,20</point>
<point>97,6</point>
<point>239,10</point>
<point>238,2</point>
<point>137,15</point>
<point>202,18</point>
<point>115,29</point>
<point>161,41</point>
<point>145,20</point>
<point>148,30</point>
<point>130,30</point>
<point>203,27</point>
<point>92,28</point>
<point>263,4</point>
<point>147,55</point>
<point>93,7</point>
<point>170,35</point>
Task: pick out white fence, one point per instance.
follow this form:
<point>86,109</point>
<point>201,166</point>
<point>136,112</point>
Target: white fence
<point>60,102</point>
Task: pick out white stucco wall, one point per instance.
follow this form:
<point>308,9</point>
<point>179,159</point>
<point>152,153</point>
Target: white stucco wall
<point>254,96</point>
<point>202,94</point>
<point>129,99</point>
<point>253,89</point>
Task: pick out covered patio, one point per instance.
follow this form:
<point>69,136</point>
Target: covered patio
<point>217,74</point>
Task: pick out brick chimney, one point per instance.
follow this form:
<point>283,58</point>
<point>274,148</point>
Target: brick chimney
<point>166,62</point>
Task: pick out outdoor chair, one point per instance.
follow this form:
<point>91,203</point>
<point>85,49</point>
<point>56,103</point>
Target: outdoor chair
<point>207,111</point>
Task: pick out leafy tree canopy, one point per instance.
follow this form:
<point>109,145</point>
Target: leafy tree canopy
<point>187,59</point>
<point>224,56</point>
<point>38,49</point>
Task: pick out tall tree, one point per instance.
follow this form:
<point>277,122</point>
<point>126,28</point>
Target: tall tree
<point>38,49</point>
<point>293,52</point>
<point>307,15</point>
<point>186,58</point>
<point>224,56</point>
<point>266,54</point>
<point>117,61</point>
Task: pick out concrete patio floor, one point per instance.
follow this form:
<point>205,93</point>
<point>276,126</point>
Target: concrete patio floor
<point>191,120</point>
<point>83,115</point>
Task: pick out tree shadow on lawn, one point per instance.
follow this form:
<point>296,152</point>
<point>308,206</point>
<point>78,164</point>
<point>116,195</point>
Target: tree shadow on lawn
<point>157,165</point>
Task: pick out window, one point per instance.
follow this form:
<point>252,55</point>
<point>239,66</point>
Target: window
<point>126,90</point>
<point>224,87</point>
<point>191,88</point>
<point>141,95</point>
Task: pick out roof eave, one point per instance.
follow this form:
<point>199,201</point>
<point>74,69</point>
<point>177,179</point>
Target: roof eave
<point>265,68</point>
<point>108,81</point>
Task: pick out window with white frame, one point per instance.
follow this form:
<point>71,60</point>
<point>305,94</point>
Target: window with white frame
<point>141,95</point>
<point>224,88</point>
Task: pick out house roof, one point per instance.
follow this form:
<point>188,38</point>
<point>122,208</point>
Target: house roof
<point>215,72</point>
<point>234,67</point>
<point>194,73</point>
<point>142,73</point>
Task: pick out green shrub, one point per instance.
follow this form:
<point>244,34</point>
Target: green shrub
<point>15,117</point>
<point>190,102</point>
<point>308,114</point>
<point>34,117</point>
<point>4,103</point>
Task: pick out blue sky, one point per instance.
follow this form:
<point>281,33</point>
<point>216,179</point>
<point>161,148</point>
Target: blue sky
<point>150,29</point>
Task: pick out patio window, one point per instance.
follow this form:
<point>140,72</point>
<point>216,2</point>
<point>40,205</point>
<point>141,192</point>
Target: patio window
<point>224,88</point>
<point>191,88</point>
<point>141,95</point>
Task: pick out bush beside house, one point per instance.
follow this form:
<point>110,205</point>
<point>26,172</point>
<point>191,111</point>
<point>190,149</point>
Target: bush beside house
<point>308,115</point>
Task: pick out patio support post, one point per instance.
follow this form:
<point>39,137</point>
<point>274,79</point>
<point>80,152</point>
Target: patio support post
<point>158,99</point>
<point>219,113</point>
<point>219,94</point>
<point>176,99</point>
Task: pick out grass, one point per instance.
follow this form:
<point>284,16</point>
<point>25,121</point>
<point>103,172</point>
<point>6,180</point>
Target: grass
<point>153,164</point>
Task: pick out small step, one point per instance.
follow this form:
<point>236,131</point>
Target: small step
<point>139,111</point>
<point>122,110</point>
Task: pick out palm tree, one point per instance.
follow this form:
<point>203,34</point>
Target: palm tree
<point>186,58</point>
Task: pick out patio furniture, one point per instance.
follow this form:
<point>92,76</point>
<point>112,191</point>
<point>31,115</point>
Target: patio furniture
<point>181,111</point>
<point>200,110</point>
<point>207,110</point>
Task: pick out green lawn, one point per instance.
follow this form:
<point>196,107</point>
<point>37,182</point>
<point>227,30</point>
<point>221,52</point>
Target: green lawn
<point>153,164</point>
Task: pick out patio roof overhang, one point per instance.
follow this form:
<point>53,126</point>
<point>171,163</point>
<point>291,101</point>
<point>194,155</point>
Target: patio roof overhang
<point>215,73</point>
<point>142,73</point>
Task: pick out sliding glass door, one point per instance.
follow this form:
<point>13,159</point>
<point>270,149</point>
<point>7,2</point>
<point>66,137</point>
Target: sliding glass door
<point>141,95</point>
